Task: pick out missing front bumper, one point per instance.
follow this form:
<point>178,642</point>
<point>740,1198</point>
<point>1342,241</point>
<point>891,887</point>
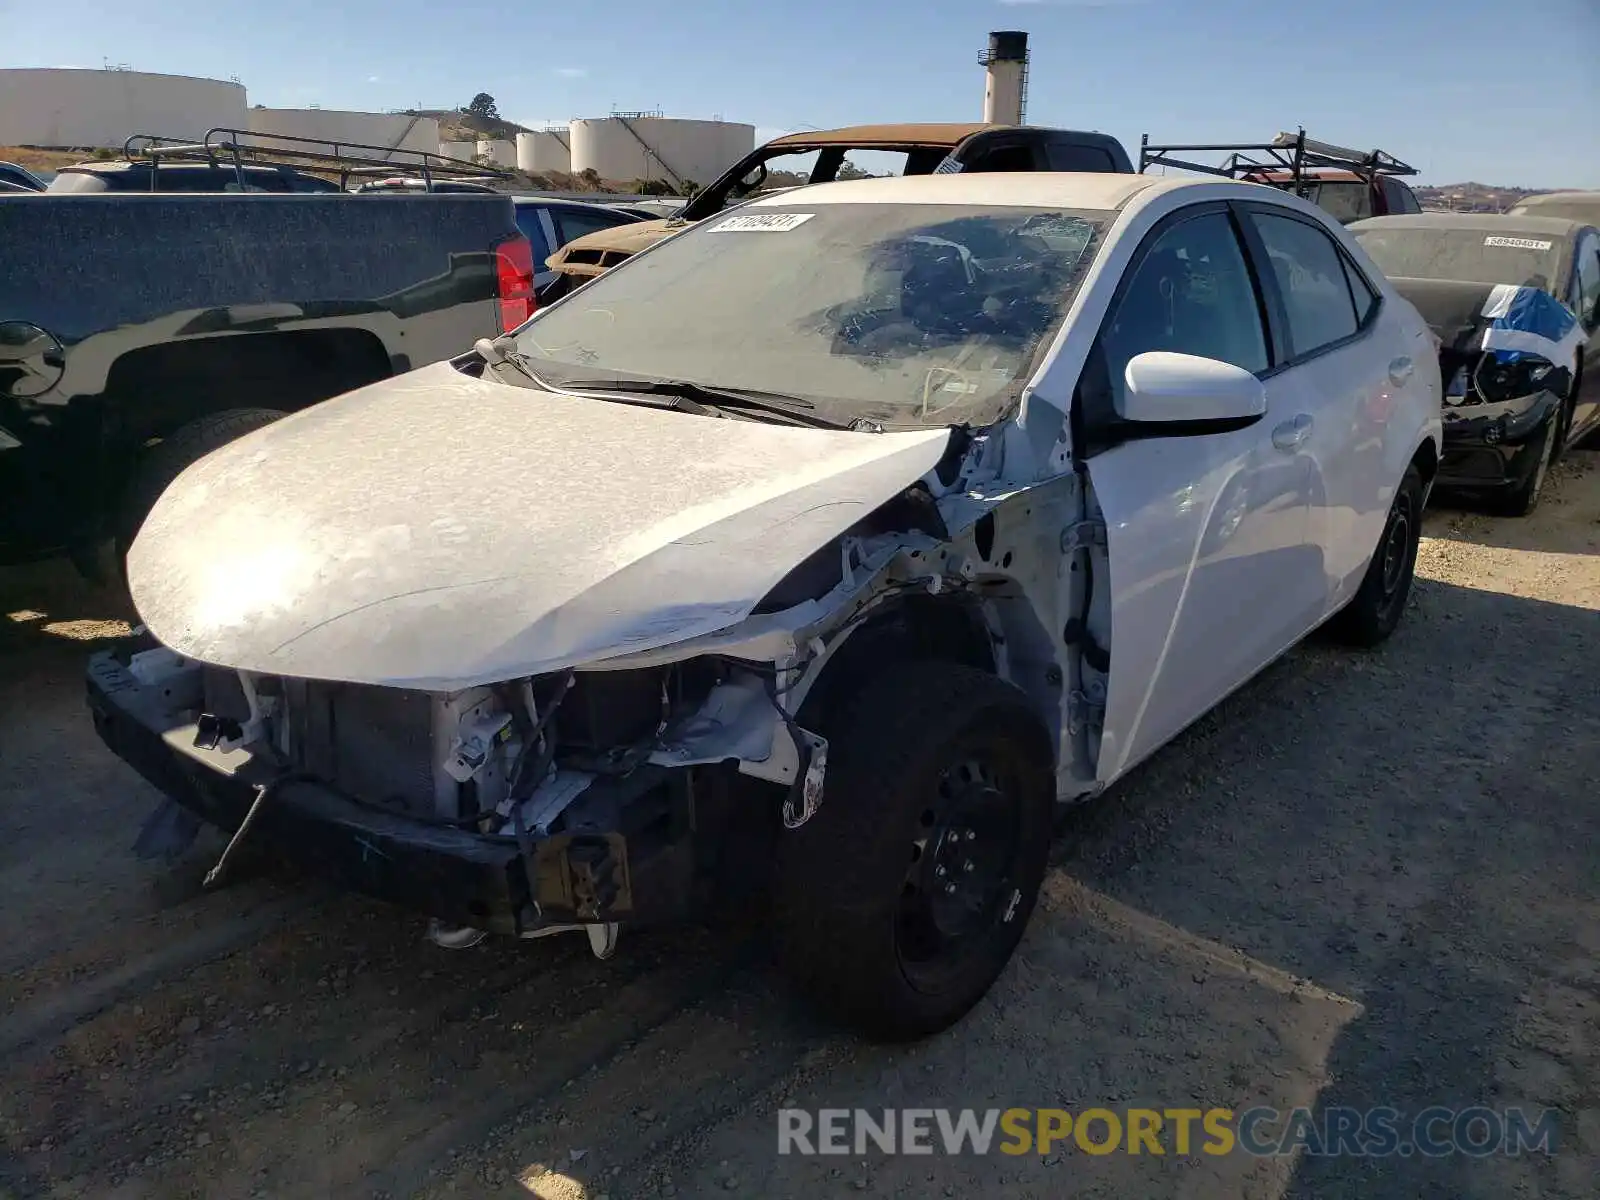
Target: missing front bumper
<point>634,867</point>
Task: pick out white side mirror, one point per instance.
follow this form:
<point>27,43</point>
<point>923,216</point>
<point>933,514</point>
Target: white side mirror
<point>1163,388</point>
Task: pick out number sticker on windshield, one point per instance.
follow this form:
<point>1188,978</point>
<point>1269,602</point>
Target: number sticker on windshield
<point>761,223</point>
<point>1517,243</point>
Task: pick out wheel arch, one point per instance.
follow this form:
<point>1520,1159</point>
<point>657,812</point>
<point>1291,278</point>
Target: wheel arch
<point>155,390</point>
<point>906,628</point>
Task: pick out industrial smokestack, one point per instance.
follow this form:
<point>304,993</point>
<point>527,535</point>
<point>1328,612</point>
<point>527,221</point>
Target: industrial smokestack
<point>1005,90</point>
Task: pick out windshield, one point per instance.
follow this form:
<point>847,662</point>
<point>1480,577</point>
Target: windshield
<point>1464,255</point>
<point>906,315</point>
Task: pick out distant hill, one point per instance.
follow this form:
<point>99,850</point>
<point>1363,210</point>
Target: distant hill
<point>1473,197</point>
<point>458,125</point>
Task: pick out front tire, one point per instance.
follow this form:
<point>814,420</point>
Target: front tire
<point>1524,498</point>
<point>903,898</point>
<point>1375,610</point>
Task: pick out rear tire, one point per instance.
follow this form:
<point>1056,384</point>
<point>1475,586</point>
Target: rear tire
<point>188,445</point>
<point>1375,610</point>
<point>902,899</point>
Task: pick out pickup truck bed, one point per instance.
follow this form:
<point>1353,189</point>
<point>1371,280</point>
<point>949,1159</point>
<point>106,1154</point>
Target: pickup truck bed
<point>130,322</point>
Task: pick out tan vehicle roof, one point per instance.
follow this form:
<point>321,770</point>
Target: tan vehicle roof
<point>1576,206</point>
<point>594,253</point>
<point>927,134</point>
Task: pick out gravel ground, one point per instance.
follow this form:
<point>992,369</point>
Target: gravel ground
<point>1365,880</point>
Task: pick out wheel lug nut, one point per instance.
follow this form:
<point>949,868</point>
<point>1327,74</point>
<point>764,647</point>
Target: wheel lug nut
<point>940,872</point>
<point>967,866</point>
<point>970,835</point>
<point>949,889</point>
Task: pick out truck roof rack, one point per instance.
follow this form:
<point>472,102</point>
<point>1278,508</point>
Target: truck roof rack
<point>1291,152</point>
<point>240,148</point>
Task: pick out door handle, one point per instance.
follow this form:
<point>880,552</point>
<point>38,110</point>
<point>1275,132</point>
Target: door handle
<point>1400,370</point>
<point>1291,434</point>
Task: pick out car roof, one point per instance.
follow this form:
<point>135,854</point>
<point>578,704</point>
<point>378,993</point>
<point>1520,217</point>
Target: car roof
<point>1101,190</point>
<point>925,134</point>
<point>1584,202</point>
<point>1559,227</point>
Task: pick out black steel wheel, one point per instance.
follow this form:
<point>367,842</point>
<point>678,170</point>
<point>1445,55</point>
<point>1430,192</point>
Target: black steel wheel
<point>903,898</point>
<point>1375,610</point>
<point>1524,498</point>
<point>961,873</point>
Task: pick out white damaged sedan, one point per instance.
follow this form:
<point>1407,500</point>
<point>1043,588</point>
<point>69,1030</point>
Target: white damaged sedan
<point>816,553</point>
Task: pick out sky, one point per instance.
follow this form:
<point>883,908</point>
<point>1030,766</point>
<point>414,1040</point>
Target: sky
<point>1494,91</point>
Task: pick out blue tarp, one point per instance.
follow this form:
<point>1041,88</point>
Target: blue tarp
<point>1526,320</point>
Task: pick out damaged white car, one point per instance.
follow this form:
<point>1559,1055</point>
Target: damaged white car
<point>824,548</point>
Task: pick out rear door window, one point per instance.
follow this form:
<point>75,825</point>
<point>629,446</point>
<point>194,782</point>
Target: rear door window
<point>1071,156</point>
<point>1310,274</point>
<point>1019,156</point>
<point>1399,198</point>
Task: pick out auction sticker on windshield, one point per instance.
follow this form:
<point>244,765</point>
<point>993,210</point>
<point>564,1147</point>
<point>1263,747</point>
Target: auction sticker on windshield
<point>1517,243</point>
<point>761,223</point>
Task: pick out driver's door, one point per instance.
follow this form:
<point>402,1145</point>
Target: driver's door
<point>1210,572</point>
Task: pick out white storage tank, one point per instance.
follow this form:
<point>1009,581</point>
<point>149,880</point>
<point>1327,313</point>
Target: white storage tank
<point>498,152</point>
<point>393,130</point>
<point>626,147</point>
<point>78,109</point>
<point>545,150</point>
<point>462,150</point>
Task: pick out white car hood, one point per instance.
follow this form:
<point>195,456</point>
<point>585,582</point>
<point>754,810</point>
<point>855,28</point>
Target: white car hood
<point>438,531</point>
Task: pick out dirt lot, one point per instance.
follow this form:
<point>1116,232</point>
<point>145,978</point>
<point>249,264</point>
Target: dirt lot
<point>1366,880</point>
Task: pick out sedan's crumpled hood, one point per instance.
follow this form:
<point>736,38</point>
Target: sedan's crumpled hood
<point>437,531</point>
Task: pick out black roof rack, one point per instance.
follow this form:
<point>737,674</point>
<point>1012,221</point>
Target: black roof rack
<point>1292,152</point>
<point>240,148</point>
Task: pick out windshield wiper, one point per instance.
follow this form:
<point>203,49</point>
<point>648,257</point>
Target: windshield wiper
<point>495,351</point>
<point>780,404</point>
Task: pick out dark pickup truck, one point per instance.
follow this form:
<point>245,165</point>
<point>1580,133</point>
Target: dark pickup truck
<point>140,332</point>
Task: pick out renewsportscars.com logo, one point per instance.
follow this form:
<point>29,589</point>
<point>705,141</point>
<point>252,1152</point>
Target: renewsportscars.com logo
<point>1260,1132</point>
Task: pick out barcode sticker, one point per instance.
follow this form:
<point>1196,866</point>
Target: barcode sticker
<point>948,166</point>
<point>761,223</point>
<point>1517,243</point>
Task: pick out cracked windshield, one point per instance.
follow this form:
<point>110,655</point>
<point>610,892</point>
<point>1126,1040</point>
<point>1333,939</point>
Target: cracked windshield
<point>906,315</point>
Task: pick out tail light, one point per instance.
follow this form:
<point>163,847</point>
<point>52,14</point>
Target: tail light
<point>514,272</point>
